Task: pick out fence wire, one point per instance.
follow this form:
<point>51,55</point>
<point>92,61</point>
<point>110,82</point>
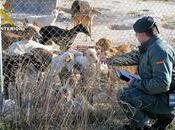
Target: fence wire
<point>52,53</point>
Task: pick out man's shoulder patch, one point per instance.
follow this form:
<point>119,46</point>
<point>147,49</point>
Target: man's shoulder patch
<point>159,62</point>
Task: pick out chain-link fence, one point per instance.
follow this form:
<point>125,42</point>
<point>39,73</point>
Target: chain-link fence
<point>52,70</point>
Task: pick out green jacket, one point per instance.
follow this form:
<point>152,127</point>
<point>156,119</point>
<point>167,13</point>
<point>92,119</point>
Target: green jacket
<point>155,60</point>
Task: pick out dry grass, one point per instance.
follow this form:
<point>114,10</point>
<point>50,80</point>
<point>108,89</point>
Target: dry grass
<point>42,108</point>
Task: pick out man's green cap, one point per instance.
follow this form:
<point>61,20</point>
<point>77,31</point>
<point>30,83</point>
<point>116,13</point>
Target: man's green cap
<point>144,24</point>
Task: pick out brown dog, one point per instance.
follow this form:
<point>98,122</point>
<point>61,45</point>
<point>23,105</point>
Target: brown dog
<point>104,43</point>
<point>82,13</point>
<point>124,48</point>
<point>84,18</point>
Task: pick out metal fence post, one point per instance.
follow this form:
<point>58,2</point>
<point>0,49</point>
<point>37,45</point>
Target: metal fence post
<point>1,72</point>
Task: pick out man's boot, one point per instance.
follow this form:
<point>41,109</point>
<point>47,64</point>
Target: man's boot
<point>129,127</point>
<point>162,122</point>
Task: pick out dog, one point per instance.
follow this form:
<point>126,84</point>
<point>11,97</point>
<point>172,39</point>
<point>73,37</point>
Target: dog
<point>84,18</point>
<point>42,21</point>
<point>82,13</point>
<point>104,43</point>
<point>124,48</point>
<point>38,58</point>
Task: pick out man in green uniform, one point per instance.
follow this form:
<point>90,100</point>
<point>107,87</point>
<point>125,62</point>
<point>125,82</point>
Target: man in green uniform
<point>148,97</point>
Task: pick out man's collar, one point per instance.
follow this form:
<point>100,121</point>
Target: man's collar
<point>143,48</point>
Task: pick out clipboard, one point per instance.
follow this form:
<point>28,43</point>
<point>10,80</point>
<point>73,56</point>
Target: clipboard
<point>126,76</point>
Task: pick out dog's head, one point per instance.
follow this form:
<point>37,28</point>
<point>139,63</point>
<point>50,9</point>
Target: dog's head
<point>68,57</point>
<point>83,29</point>
<point>75,8</point>
<point>30,31</point>
<point>104,43</point>
<point>91,55</point>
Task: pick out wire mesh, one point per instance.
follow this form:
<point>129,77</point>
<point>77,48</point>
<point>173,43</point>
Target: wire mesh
<point>50,53</point>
